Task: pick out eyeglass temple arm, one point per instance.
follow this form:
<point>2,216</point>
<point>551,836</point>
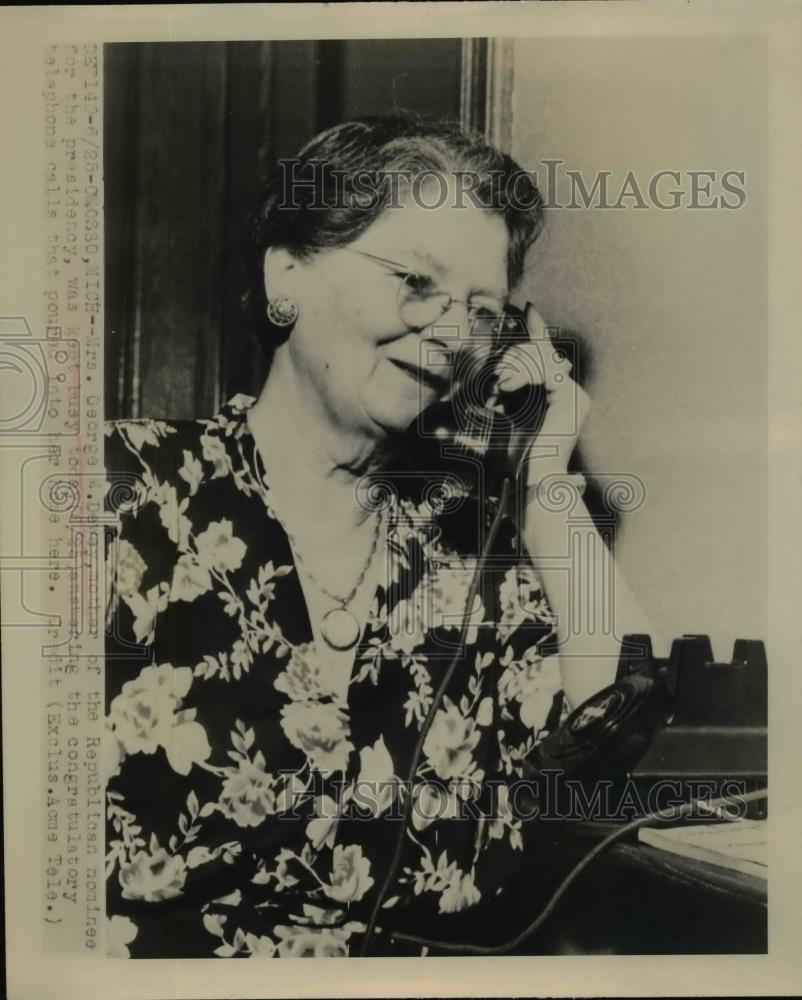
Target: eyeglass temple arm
<point>381,260</point>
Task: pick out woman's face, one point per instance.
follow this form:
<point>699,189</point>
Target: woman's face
<point>371,373</point>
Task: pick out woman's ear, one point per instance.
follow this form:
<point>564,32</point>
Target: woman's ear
<point>279,265</point>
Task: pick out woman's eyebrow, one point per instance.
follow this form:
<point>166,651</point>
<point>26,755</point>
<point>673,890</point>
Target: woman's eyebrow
<point>426,258</point>
<point>440,269</point>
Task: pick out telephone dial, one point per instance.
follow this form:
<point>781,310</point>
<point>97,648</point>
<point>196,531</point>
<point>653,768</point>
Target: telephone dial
<point>609,732</point>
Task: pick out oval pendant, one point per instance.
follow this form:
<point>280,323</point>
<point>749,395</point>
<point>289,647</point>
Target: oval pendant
<point>340,628</point>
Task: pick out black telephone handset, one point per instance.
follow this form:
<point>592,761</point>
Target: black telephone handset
<point>467,435</point>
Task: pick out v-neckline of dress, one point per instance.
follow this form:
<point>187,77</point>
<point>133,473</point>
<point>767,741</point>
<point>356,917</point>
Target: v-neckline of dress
<point>371,628</point>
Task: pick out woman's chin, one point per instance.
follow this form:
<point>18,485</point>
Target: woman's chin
<point>393,423</point>
<point>395,416</point>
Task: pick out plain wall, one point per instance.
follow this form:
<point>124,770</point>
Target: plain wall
<point>669,306</point>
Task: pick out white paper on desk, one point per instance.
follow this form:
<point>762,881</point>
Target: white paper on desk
<point>740,845</point>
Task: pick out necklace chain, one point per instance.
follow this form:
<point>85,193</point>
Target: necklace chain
<point>342,601</point>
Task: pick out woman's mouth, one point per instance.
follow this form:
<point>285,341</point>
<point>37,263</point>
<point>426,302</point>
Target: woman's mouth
<point>422,376</point>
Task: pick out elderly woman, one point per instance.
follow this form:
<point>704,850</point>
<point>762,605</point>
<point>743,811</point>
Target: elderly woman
<point>313,691</point>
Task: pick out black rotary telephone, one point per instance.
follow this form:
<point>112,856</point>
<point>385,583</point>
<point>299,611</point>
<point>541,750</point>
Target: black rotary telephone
<point>466,438</point>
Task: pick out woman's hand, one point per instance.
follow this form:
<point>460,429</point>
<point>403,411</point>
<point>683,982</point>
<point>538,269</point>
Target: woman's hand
<point>540,363</point>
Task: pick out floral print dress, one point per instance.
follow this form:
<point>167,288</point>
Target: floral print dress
<point>252,812</point>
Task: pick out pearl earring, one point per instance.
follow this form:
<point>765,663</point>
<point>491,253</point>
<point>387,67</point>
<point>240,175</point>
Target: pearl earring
<point>282,310</point>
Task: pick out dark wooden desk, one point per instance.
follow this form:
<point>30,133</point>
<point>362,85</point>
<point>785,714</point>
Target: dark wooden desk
<point>638,899</point>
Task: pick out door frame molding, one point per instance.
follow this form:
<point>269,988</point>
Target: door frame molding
<point>486,86</point>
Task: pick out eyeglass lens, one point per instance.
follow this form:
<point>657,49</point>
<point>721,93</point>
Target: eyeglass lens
<point>420,309</point>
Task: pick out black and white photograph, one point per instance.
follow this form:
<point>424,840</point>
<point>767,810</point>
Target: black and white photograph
<point>398,447</point>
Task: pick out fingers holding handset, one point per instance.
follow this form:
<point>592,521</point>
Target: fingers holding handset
<point>538,362</point>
